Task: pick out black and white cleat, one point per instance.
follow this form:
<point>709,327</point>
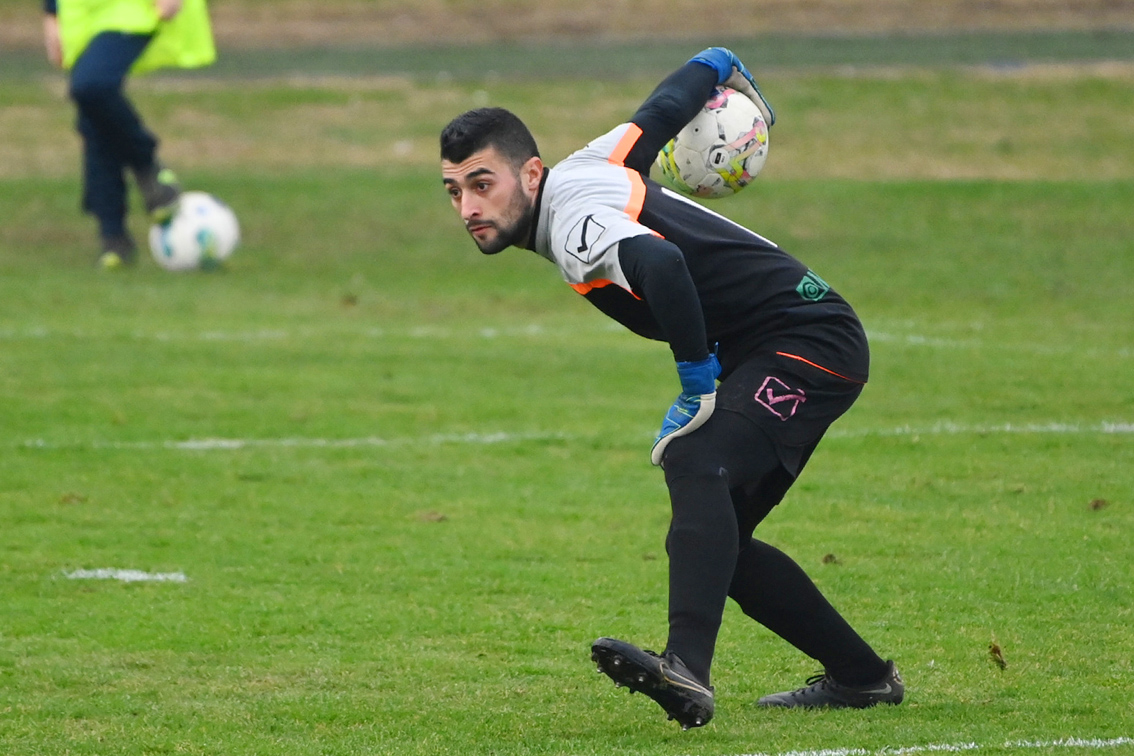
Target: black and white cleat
<point>664,678</point>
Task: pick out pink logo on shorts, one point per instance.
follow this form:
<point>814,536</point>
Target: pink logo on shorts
<point>779,398</point>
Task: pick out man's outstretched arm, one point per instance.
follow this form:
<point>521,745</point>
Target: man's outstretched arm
<point>679,97</point>
<point>682,94</point>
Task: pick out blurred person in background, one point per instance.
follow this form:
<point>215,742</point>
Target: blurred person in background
<point>100,42</point>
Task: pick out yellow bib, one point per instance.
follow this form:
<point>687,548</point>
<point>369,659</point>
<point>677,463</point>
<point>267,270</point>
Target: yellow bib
<point>184,42</point>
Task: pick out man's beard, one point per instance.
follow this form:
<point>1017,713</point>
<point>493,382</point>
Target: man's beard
<point>514,234</point>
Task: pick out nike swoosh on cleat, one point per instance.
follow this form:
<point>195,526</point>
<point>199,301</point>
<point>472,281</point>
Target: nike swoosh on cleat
<point>684,682</point>
<point>878,691</point>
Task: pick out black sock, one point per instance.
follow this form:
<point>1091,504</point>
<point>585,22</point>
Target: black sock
<point>702,546</point>
<point>773,590</point>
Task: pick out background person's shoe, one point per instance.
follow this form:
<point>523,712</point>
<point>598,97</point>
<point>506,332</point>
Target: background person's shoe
<point>823,692</point>
<point>117,252</point>
<point>160,191</point>
<point>663,678</point>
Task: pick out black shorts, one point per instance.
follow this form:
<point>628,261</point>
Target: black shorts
<point>793,400</point>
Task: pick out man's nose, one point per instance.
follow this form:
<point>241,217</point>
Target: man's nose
<point>470,207</point>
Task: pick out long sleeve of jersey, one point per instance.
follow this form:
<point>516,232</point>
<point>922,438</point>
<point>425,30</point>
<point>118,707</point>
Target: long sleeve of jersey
<point>654,267</point>
<point>656,270</point>
<point>679,97</point>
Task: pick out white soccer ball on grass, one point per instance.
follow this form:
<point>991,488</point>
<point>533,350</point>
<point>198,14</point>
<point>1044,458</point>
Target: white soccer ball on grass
<point>720,151</point>
<point>200,236</point>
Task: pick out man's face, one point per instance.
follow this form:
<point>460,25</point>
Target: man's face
<point>494,200</point>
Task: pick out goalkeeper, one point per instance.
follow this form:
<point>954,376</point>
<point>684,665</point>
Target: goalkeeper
<point>790,354</point>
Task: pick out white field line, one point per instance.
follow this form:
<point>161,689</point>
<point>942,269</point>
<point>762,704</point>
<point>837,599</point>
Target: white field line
<point>282,334</point>
<point>486,439</point>
<point>228,444</point>
<point>1032,348</point>
<point>1012,745</point>
<point>127,576</point>
<point>276,335</point>
<point>963,429</point>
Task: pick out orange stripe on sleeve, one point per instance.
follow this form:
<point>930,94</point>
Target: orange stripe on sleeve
<point>634,204</point>
<point>586,288</point>
<point>625,144</point>
<point>637,195</point>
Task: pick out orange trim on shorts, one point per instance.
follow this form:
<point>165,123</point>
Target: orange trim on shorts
<point>625,144</point>
<point>820,367</point>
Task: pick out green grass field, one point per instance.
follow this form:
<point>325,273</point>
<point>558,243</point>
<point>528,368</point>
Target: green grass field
<point>407,485</point>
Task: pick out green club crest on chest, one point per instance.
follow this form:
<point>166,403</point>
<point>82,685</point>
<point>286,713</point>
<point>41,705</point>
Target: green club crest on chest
<point>812,287</point>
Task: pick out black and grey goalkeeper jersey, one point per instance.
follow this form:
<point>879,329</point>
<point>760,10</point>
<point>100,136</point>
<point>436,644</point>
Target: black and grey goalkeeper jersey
<point>753,295</point>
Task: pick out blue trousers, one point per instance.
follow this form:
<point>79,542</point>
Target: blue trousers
<point>114,137</point>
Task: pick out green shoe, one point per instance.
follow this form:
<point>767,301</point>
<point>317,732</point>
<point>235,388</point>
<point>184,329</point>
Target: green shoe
<point>160,190</point>
<point>117,252</point>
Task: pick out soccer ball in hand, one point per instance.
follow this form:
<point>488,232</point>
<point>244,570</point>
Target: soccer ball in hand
<point>720,151</point>
<point>200,236</point>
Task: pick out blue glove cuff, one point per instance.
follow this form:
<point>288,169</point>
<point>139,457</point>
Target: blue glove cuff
<point>699,377</point>
<point>720,59</point>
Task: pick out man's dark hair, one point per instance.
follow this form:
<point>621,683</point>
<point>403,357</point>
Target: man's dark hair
<point>479,129</point>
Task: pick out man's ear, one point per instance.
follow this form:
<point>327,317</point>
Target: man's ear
<point>531,174</point>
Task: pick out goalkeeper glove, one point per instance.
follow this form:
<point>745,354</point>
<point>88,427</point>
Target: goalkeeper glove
<point>732,73</point>
<point>694,404</point>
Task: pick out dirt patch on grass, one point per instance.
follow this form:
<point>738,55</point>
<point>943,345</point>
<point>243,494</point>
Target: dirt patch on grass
<point>263,23</point>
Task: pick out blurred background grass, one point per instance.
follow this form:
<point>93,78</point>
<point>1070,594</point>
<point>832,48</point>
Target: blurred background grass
<point>291,23</point>
<point>1010,89</point>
